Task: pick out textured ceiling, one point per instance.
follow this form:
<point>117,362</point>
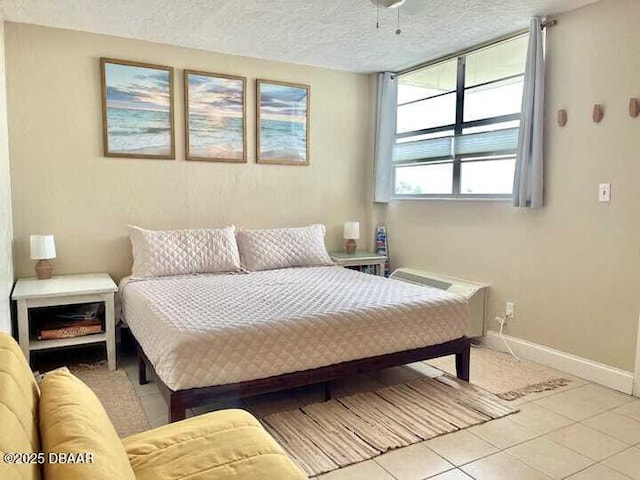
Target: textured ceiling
<point>338,34</point>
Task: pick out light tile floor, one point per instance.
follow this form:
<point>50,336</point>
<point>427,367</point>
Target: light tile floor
<point>580,432</point>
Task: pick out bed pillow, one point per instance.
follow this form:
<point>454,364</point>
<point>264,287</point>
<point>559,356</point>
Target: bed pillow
<point>283,247</point>
<point>159,253</point>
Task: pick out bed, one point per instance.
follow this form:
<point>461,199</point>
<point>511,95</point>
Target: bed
<point>207,338</point>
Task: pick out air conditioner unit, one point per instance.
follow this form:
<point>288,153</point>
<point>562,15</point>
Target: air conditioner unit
<point>474,293</point>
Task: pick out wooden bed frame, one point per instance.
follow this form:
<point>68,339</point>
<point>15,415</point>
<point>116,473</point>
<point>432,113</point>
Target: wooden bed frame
<point>180,400</point>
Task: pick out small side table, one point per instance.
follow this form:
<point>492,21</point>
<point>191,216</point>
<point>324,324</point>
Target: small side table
<point>66,290</point>
<point>360,259</point>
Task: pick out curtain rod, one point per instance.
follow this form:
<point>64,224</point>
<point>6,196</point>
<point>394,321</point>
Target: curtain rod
<point>503,38</point>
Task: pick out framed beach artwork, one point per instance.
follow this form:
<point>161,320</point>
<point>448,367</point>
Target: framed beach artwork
<point>215,117</point>
<point>282,123</point>
<point>137,109</point>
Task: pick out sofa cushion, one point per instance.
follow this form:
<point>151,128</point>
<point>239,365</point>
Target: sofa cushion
<point>19,396</point>
<point>228,444</point>
<point>72,420</point>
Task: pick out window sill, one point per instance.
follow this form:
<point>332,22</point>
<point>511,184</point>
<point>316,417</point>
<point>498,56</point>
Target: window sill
<point>505,199</point>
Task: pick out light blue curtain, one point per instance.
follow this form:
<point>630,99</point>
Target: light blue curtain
<point>385,136</point>
<point>528,180</point>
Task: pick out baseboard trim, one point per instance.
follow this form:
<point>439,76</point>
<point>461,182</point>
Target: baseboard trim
<point>611,377</point>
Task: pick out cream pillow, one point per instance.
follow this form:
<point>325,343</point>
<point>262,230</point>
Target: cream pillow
<point>283,247</point>
<point>158,253</point>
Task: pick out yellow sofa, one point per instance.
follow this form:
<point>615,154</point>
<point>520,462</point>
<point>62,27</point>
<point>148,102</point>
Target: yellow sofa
<point>60,431</point>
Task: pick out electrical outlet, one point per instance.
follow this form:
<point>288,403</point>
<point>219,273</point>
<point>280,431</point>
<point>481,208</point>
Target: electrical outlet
<point>604,192</point>
<point>509,310</point>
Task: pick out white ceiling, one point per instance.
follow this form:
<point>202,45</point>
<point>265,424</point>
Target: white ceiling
<point>339,34</point>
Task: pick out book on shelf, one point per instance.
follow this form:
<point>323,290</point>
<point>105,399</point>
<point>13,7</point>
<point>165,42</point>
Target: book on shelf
<point>69,331</point>
<point>68,326</point>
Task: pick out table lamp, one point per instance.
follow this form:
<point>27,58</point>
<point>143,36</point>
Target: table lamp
<point>351,234</point>
<point>43,249</point>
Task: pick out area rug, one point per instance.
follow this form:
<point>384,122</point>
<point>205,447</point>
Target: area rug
<point>504,375</point>
<point>117,395</point>
<point>322,437</point>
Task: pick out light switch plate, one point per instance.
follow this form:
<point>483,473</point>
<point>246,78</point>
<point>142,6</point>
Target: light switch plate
<point>604,192</point>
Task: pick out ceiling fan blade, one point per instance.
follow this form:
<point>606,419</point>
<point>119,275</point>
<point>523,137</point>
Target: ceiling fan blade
<point>391,4</point>
<point>414,6</point>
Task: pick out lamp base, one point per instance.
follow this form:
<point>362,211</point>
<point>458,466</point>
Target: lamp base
<point>44,269</point>
<point>350,246</point>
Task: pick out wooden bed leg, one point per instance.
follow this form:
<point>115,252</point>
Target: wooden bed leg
<point>177,414</point>
<point>142,370</point>
<point>177,410</point>
<point>327,392</point>
<point>462,363</point>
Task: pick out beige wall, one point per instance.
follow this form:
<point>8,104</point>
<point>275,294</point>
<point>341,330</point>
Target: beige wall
<point>63,185</point>
<point>6,264</point>
<point>573,267</point>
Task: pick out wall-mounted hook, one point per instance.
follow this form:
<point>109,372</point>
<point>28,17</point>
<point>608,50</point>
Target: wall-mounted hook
<point>598,113</point>
<point>634,107</point>
<point>562,117</point>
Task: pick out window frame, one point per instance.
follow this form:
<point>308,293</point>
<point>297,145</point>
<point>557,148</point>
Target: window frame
<point>458,127</point>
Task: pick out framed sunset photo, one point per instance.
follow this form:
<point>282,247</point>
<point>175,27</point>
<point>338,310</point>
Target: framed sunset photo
<point>282,123</point>
<point>137,109</point>
<point>215,123</point>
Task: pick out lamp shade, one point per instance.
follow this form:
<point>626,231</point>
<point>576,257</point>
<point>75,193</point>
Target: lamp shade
<point>42,247</point>
<point>351,230</point>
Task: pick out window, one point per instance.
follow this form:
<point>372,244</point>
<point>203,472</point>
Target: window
<point>458,121</point>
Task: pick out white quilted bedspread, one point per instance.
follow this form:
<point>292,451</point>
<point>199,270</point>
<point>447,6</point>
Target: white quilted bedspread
<point>217,329</point>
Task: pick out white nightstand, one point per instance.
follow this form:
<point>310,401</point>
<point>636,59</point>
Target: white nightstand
<point>66,290</point>
<point>360,259</point>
